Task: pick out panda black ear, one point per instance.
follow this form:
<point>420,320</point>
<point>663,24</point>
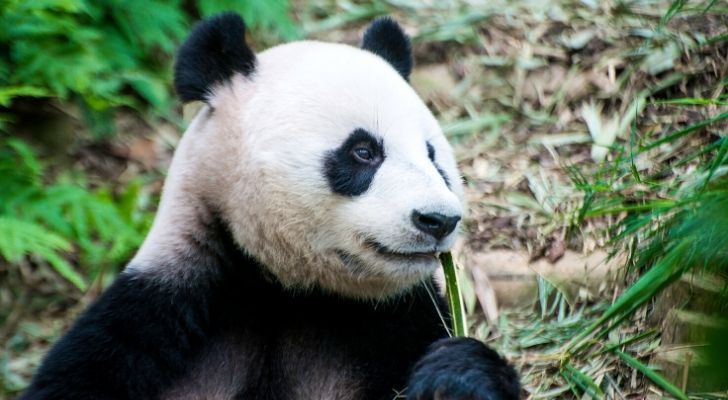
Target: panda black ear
<point>385,38</point>
<point>212,53</point>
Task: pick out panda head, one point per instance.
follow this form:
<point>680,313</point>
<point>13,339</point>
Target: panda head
<point>321,158</point>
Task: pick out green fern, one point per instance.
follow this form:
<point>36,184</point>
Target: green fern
<point>40,222</point>
<point>79,47</point>
<point>95,51</point>
<point>20,239</point>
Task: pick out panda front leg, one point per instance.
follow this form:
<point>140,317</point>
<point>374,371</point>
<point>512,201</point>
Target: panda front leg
<point>462,369</point>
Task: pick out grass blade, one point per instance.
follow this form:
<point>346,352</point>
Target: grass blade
<point>582,381</point>
<point>682,132</point>
<point>664,272</point>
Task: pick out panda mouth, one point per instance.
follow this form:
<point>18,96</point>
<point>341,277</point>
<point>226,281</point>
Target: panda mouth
<point>409,256</point>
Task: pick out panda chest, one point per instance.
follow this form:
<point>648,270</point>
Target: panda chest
<point>244,366</point>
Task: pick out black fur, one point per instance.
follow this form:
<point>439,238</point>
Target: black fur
<point>130,344</point>
<point>385,38</point>
<point>347,176</point>
<point>462,368</point>
<point>212,53</point>
<point>431,155</point>
<point>138,338</point>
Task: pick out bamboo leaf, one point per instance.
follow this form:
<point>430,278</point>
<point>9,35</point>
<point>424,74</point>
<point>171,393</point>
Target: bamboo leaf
<point>653,375</point>
<point>582,381</point>
<point>664,272</point>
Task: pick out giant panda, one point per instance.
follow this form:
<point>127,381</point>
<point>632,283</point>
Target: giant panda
<point>297,236</point>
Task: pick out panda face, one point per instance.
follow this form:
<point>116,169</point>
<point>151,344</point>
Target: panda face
<point>352,184</point>
<point>328,168</point>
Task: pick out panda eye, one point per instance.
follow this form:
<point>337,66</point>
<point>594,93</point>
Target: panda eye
<point>362,153</point>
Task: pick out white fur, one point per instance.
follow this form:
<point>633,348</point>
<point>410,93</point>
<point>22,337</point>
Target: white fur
<point>257,156</point>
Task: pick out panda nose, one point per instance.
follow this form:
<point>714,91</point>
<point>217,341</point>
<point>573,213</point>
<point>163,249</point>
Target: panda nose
<point>435,224</point>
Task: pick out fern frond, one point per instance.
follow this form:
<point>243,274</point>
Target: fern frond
<point>20,239</point>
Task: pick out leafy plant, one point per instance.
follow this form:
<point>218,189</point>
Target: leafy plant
<point>91,49</point>
<point>45,223</point>
<point>109,53</point>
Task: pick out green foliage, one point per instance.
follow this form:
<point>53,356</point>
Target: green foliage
<point>269,16</point>
<point>671,226</point>
<point>19,238</point>
<point>94,49</point>
<point>39,222</point>
<point>652,374</point>
<point>107,53</point>
<point>578,379</point>
<point>668,192</point>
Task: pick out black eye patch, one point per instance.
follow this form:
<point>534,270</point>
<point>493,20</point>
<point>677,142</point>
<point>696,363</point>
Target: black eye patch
<point>431,156</point>
<point>350,168</point>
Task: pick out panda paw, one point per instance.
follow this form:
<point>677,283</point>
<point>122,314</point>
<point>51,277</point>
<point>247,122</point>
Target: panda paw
<point>462,369</point>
